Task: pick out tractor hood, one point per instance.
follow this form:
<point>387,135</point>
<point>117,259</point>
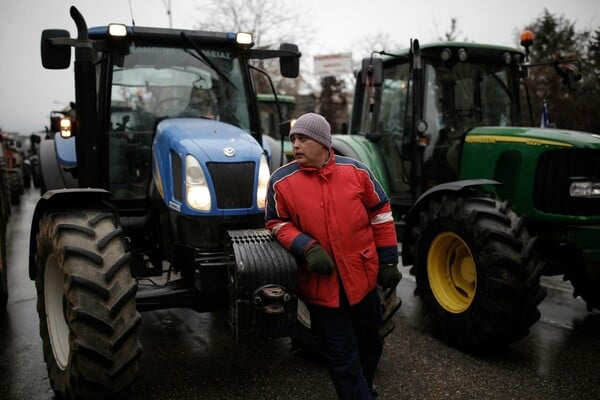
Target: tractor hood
<point>206,139</point>
<point>228,157</point>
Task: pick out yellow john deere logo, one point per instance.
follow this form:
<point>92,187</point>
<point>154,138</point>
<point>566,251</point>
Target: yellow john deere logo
<point>514,139</point>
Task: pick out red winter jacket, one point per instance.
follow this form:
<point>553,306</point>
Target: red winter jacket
<point>344,209</point>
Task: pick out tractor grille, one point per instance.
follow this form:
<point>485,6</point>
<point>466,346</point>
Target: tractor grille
<point>234,184</point>
<point>553,177</point>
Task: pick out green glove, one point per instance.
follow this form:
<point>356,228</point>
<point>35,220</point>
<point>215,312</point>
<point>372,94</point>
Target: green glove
<point>389,276</point>
<point>319,260</point>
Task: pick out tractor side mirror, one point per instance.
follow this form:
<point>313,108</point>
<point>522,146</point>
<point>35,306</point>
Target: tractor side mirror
<point>55,56</point>
<point>372,71</point>
<point>285,127</point>
<point>289,65</point>
<point>569,72</point>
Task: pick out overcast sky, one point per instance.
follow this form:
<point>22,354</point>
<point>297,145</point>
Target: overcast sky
<point>28,92</point>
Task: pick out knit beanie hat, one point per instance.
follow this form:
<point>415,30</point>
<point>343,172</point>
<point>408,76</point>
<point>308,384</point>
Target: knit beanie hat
<point>314,126</point>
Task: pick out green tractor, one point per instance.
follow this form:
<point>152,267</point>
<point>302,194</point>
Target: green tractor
<point>275,110</point>
<point>484,206</point>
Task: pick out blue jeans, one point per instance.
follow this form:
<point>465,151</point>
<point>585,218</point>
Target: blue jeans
<point>350,341</point>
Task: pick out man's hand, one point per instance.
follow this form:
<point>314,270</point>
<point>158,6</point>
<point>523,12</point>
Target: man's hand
<point>389,276</point>
<point>319,260</point>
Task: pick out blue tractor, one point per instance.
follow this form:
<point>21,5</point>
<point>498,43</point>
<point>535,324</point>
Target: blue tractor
<point>154,198</point>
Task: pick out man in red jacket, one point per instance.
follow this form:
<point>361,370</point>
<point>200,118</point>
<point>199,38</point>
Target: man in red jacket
<point>333,215</point>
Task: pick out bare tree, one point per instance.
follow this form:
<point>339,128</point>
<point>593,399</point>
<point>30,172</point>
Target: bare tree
<point>453,33</point>
<point>270,21</point>
<point>377,42</point>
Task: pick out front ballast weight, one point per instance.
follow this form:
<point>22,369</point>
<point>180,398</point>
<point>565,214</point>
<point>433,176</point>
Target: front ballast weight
<point>261,286</point>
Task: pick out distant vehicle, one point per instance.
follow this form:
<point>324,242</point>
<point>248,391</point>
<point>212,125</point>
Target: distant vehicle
<point>14,166</point>
<point>5,211</point>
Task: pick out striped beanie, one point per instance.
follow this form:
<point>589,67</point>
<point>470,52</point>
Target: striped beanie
<point>314,126</point>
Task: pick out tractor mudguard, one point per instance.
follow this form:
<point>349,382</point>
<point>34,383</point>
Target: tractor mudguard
<point>60,198</point>
<point>436,191</point>
<point>261,285</point>
<point>65,151</point>
<point>55,155</point>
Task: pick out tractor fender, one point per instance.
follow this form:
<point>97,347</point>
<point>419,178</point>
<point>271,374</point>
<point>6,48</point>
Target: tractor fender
<point>51,166</point>
<point>437,191</point>
<point>61,199</point>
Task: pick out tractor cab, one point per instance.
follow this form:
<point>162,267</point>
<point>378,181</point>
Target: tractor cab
<point>424,117</point>
<point>149,81</point>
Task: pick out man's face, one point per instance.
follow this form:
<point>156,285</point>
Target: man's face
<point>308,152</point>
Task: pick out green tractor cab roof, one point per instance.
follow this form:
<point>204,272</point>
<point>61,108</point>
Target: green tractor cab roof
<point>461,51</point>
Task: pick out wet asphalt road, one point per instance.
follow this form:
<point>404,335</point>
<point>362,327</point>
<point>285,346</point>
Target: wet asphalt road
<point>192,356</point>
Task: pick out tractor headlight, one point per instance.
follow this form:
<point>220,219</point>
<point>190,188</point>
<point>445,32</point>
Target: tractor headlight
<point>585,188</point>
<point>196,188</point>
<point>263,181</point>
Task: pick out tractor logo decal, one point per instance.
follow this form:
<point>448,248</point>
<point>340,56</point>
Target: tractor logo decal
<point>229,151</point>
<point>514,139</point>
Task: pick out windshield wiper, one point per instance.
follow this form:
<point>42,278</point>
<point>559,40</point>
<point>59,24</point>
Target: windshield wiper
<point>205,59</point>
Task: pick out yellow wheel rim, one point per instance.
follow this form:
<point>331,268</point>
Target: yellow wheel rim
<point>452,272</point>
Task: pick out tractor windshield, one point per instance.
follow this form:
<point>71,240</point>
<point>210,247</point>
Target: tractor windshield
<point>155,82</point>
<point>150,83</point>
<point>468,95</point>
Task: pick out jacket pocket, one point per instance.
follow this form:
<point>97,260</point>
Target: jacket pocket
<point>370,264</point>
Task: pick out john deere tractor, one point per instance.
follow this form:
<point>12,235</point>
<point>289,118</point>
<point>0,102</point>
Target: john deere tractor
<point>484,205</point>
<point>160,173</point>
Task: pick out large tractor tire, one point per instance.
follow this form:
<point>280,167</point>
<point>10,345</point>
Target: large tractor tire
<point>86,305</point>
<point>475,272</point>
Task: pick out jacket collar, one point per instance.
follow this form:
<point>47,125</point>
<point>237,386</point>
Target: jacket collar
<point>325,169</point>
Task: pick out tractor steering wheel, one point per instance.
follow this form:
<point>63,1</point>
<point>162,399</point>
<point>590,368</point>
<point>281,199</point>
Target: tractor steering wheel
<point>178,104</point>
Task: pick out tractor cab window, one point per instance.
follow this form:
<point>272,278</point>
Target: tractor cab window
<point>151,83</point>
<point>391,119</point>
<point>394,124</point>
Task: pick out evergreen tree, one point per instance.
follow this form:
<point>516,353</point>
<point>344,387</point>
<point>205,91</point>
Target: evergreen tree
<point>556,41</point>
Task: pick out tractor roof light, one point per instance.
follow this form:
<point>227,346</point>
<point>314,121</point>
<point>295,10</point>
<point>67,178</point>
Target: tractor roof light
<point>117,30</point>
<point>526,42</point>
<point>585,188</point>
<point>507,58</point>
<point>65,128</point>
<point>526,38</point>
<point>462,55</point>
<point>244,39</point>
